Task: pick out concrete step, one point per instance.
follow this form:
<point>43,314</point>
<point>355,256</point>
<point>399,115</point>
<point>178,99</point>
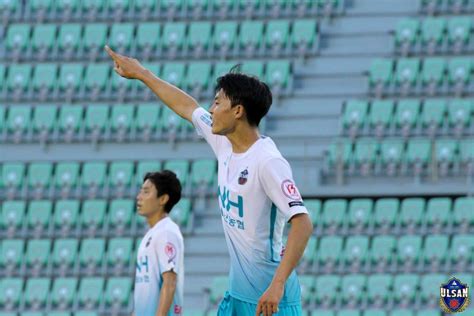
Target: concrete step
<point>341,86</point>
<point>205,245</point>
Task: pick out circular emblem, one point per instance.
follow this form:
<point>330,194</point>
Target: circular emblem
<point>170,250</point>
<point>290,190</point>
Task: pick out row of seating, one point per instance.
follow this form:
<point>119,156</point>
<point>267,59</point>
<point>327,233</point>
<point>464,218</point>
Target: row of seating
<point>36,294</point>
<point>68,256</point>
<point>51,313</point>
<point>154,40</point>
<point>93,81</point>
<point>67,10</point>
<point>445,6</point>
<point>390,212</point>
<point>409,117</point>
<point>434,35</point>
<point>431,76</point>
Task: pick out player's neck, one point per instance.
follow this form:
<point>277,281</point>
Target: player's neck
<point>155,218</point>
<point>243,138</point>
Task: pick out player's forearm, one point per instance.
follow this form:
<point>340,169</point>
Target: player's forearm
<point>177,100</point>
<point>301,230</point>
<point>166,298</point>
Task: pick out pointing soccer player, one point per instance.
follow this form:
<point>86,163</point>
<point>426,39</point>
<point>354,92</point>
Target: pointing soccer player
<point>159,270</point>
<point>256,191</point>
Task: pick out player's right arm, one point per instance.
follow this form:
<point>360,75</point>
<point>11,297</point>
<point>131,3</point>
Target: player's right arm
<point>177,100</point>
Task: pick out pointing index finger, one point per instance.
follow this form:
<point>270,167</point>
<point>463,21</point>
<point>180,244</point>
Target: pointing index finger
<point>110,52</point>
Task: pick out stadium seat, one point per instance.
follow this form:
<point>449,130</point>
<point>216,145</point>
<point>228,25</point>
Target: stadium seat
<point>438,212</point>
<point>433,73</point>
<point>307,286</point>
<point>406,33</point>
<point>63,292</point>
<point>91,292</point>
<point>117,292</point>
<point>43,39</point>
<point>334,213</point>
<point>95,35</point>
<point>432,33</point>
<point>18,38</point>
<point>381,72</point>
<point>198,38</point>
<point>386,212</point>
<point>44,79</point>
<point>119,252</point>
<point>382,249</point>
<point>356,250</point>
<point>197,77</point>
<point>340,150</point>
<point>378,287</point>
<point>304,35</point>
<point>173,37</point>
<point>18,120</point>
<point>96,77</point>
<point>353,288</point>
<point>360,212</point>
<point>403,287</point>
<point>181,212</point>
<point>64,254</point>
<point>276,36</point>
<point>429,285</point>
<point>120,214</point>
<point>402,312</point>
<point>120,173</point>
<point>309,254</point>
<point>121,119</point>
<point>148,37</point>
<point>70,78</point>
<point>174,73</point>
<point>224,36</point>
<point>92,253</point>
<point>435,249</point>
<point>467,151</point>
<point>407,113</point>
<point>250,37</point>
<point>19,77</point>
<point>143,167</point>
<point>11,257</point>
<point>407,70</point>
<point>13,214</point>
<point>13,174</point>
<point>252,68</point>
<point>37,254</point>
<point>44,119</point>
<point>219,286</point>
<point>433,113</point>
<point>37,292</point>
<point>375,312</point>
<point>171,124</point>
<point>147,119</point>
<point>66,213</point>
<point>93,174</point>
<point>409,249</point>
<point>459,72</point>
<point>365,154</point>
<point>392,153</point>
<point>39,215</point>
<point>203,173</point>
<point>355,114</point>
<point>327,288</point>
<point>314,208</point>
<point>93,214</point>
<point>329,252</point>
<point>459,29</point>
<point>121,36</point>
<point>418,151</point>
<point>11,290</point>
<point>180,168</point>
<point>40,175</point>
<point>461,249</point>
<point>463,215</point>
<point>412,211</point>
<point>69,38</point>
<point>459,113</point>
<point>277,74</point>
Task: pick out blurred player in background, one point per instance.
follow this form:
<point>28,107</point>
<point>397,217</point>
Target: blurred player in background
<point>159,270</point>
<point>257,194</point>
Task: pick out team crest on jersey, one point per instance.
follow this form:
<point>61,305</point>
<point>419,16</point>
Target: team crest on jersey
<point>290,190</point>
<point>243,176</point>
<point>148,242</point>
<point>454,296</point>
<point>170,251</point>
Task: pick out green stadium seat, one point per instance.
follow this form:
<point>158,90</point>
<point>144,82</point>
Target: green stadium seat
<point>340,150</point>
<point>402,312</point>
<point>174,73</point>
<point>180,168</point>
<point>439,211</point>
<point>120,213</point>
<point>219,286</point>
<point>93,214</point>
<point>391,150</point>
<point>199,37</point>
<point>145,5</point>
<point>44,78</point>
<point>66,214</point>
<point>433,71</point>
<point>360,212</point>
<point>40,174</point>
<point>404,285</point>
<point>40,7</point>
<point>8,8</point>
<point>95,35</point>
<point>435,249</point>
<point>334,212</point>
<point>44,118</point>
<point>407,31</point>
<point>356,249</point>
<point>122,118</point>
<point>93,174</point>
<point>181,212</point>
<point>314,208</point>
<point>277,34</point>
<point>118,7</point>
<point>19,76</point>
<point>13,174</point>
<point>461,248</point>
<point>407,112</point>
<point>327,288</point>
<point>147,117</point>
<point>322,312</point>
<point>117,292</point>
<point>18,118</point>
<point>69,37</point>
<point>170,121</point>
<point>378,287</point>
<point>63,292</point>
<point>381,72</point>
<point>431,312</point>
<point>353,287</point>
<point>70,76</point>
<point>225,34</point>
<point>18,36</point>
<point>11,255</point>
<point>330,249</point>
<point>39,215</point>
<point>365,151</point>
<point>459,111</point>
<point>382,249</point>
<point>252,68</point>
<point>355,113</point>
<point>375,312</point>
<point>67,174</point>
<point>43,38</point>
<point>148,35</point>
<point>277,74</point>
<point>37,292</point>
<point>433,112</point>
<point>463,215</point>
<point>304,34</point>
<point>2,108</point>
<point>173,35</point>
<point>309,254</point>
<point>143,167</point>
<point>446,151</point>
<point>348,312</point>
<point>120,173</point>
<point>121,35</point>
<point>222,68</point>
<point>412,211</point>
<point>407,70</point>
<point>198,76</point>
<point>204,173</point>
<point>13,214</point>
<point>92,252</point>
<point>418,150</point>
<point>65,253</point>
<point>11,290</point>
<point>251,36</point>
<point>409,249</point>
<point>91,6</point>
<point>307,285</point>
<point>429,285</point>
<point>91,292</point>
<point>459,29</point>
<point>119,252</point>
<point>37,253</point>
<point>460,70</point>
<point>466,150</point>
<point>96,76</point>
<point>432,30</point>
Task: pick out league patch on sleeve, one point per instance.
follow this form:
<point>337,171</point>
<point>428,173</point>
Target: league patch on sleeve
<point>290,190</point>
<point>170,251</point>
<point>206,118</point>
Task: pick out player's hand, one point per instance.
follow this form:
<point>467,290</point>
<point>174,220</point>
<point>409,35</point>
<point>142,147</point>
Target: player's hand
<point>126,67</point>
<point>268,303</point>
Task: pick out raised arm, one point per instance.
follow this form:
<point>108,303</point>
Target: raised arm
<point>177,100</point>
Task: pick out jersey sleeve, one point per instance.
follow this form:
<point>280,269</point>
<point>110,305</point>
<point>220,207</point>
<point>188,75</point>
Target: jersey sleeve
<point>277,180</point>
<point>168,252</point>
<point>202,122</point>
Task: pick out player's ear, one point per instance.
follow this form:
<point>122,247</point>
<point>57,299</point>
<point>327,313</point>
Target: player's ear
<point>239,111</point>
<point>163,199</point>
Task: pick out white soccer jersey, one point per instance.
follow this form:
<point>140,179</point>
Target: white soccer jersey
<point>257,196</point>
<point>160,251</point>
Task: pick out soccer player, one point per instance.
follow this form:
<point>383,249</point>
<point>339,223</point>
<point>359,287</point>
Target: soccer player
<point>159,271</point>
<point>256,191</point>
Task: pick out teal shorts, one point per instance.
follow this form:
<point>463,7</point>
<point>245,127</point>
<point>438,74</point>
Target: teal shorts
<point>230,306</point>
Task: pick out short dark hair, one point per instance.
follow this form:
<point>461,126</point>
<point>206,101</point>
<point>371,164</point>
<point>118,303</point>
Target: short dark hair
<point>166,182</point>
<point>253,94</point>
